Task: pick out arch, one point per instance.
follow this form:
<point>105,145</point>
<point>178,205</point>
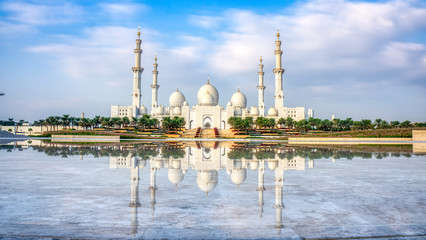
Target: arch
<point>191,124</point>
<point>223,125</point>
<point>207,123</point>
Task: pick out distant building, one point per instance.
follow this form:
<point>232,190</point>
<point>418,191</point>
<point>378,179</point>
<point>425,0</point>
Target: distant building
<point>208,113</point>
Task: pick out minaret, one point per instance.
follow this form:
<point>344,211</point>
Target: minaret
<point>260,186</point>
<point>154,87</point>
<point>261,89</point>
<point>137,72</point>
<point>278,72</point>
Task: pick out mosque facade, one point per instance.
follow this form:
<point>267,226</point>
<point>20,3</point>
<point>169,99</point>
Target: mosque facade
<point>207,113</point>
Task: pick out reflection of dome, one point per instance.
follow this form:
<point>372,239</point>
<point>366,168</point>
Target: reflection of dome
<point>207,100</point>
<point>272,112</point>
<point>141,163</point>
<point>158,164</point>
<point>176,164</point>
<point>175,175</point>
<point>272,164</point>
<point>238,112</point>
<point>176,99</point>
<point>238,176</point>
<point>254,111</point>
<point>207,180</point>
<point>177,111</point>
<point>254,165</point>
<point>208,89</point>
<point>159,110</point>
<point>238,99</point>
<point>142,110</point>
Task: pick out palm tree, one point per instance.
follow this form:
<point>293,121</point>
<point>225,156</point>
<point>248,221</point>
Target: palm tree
<point>289,122</point>
<point>378,123</point>
<point>65,121</point>
<point>281,122</point>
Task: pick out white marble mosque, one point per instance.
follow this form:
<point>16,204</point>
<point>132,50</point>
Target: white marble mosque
<point>207,161</point>
<point>207,113</point>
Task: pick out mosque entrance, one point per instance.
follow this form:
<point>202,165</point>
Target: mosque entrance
<point>207,123</point>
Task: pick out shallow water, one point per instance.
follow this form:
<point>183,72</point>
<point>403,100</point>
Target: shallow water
<point>210,190</point>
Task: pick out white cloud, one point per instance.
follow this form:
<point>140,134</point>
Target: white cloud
<point>41,14</point>
<point>118,9</point>
<point>205,21</point>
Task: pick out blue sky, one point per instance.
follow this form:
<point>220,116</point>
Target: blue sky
<point>359,59</point>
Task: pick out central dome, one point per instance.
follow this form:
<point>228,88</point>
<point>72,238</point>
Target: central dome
<point>208,89</point>
<point>207,100</point>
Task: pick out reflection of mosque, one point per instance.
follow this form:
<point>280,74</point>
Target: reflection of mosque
<point>207,158</point>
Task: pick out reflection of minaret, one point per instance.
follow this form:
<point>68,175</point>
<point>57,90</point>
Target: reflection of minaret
<point>261,187</point>
<point>311,163</point>
<point>155,87</point>
<point>261,89</point>
<point>134,199</point>
<point>279,182</point>
<point>152,187</point>
<point>278,72</point>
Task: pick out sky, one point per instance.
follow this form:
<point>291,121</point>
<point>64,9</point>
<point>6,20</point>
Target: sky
<point>358,59</point>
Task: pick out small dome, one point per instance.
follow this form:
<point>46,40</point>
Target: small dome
<point>238,99</point>
<point>238,176</point>
<point>177,111</point>
<point>207,100</point>
<point>175,175</point>
<point>207,180</point>
<point>176,99</point>
<point>229,104</point>
<point>208,88</point>
<point>272,164</point>
<point>272,112</point>
<point>185,103</point>
<point>159,110</point>
<point>238,112</point>
<point>143,110</point>
<point>254,111</point>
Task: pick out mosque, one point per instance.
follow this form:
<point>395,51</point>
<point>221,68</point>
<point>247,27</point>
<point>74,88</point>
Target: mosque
<point>208,113</point>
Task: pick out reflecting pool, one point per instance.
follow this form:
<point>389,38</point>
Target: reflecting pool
<point>211,190</point>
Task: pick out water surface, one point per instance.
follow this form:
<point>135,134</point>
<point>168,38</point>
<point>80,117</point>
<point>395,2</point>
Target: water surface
<point>210,190</point>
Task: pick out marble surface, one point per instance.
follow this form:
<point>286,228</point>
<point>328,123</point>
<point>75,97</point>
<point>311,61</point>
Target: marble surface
<point>50,197</point>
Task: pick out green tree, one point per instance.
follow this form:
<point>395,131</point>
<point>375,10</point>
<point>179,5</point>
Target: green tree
<point>405,124</point>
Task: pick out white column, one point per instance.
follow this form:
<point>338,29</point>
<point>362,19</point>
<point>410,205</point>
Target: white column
<point>137,72</point>
<point>278,73</point>
<point>261,89</point>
